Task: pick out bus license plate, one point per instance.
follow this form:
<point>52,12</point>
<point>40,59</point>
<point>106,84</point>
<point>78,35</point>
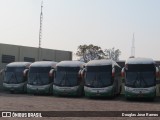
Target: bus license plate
<point>65,92</point>
<point>140,94</point>
<point>98,93</point>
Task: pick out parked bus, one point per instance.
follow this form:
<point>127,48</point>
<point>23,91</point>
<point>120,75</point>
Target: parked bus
<point>140,78</point>
<point>15,77</point>
<point>67,79</point>
<point>102,78</point>
<point>40,77</point>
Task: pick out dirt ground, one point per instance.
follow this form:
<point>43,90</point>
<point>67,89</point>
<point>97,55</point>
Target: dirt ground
<point>24,102</point>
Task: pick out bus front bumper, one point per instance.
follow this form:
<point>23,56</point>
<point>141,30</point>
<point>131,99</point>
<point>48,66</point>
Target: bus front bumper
<point>41,89</point>
<point>99,92</point>
<point>21,87</point>
<point>68,91</point>
<point>140,92</point>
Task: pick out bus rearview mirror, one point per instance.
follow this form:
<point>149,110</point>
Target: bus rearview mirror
<point>113,72</point>
<point>157,72</point>
<point>82,73</point>
<point>51,73</point>
<point>25,72</point>
<point>122,72</point>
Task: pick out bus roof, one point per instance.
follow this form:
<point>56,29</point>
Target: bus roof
<point>44,64</point>
<point>102,62</point>
<point>18,64</point>
<point>140,61</point>
<point>70,64</point>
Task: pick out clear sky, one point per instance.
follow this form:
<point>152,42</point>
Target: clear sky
<point>69,23</point>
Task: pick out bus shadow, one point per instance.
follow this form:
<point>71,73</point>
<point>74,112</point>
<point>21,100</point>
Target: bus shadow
<point>122,98</point>
<point>115,98</point>
<point>69,96</point>
<point>156,100</point>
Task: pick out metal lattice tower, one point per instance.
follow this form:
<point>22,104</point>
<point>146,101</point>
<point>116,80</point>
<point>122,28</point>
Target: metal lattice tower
<point>40,32</point>
<point>40,29</point>
<point>133,47</point>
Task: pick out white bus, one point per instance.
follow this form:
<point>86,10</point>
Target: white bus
<point>140,78</point>
<point>40,77</point>
<point>15,77</point>
<point>102,78</point>
<point>67,79</point>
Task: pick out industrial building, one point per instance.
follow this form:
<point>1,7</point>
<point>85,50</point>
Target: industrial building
<point>15,53</point>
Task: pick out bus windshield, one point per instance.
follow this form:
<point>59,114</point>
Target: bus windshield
<point>39,76</point>
<point>66,76</point>
<point>98,76</point>
<point>14,75</point>
<point>140,76</point>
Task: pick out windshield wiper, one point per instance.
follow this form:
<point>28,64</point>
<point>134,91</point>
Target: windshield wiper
<point>143,80</point>
<point>36,78</point>
<point>15,78</point>
<point>92,83</point>
<point>68,80</point>
<point>39,78</point>
<point>100,80</point>
<point>134,83</point>
<point>63,78</point>
<point>95,81</point>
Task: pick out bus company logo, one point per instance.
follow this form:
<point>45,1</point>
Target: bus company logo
<point>6,114</point>
<point>21,114</point>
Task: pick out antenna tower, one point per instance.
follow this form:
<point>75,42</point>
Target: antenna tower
<point>133,47</point>
<point>40,29</point>
<point>40,32</point>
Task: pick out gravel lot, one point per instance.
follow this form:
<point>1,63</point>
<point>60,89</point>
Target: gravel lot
<point>24,102</point>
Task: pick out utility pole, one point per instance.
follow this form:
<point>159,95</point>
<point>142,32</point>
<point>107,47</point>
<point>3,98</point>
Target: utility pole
<point>133,47</point>
<point>40,32</point>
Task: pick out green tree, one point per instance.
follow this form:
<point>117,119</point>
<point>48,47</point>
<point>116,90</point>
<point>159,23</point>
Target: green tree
<point>112,53</point>
<point>89,52</point>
